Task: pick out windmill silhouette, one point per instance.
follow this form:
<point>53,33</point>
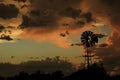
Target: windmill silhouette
<point>88,40</point>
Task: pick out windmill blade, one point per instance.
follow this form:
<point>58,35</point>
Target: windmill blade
<point>90,33</point>
<point>88,39</point>
<point>84,40</point>
<point>93,35</point>
<point>83,36</point>
<point>85,33</point>
<point>87,44</point>
<point>91,44</point>
<point>84,43</point>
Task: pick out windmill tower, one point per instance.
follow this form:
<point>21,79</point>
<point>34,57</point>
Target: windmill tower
<point>88,40</point>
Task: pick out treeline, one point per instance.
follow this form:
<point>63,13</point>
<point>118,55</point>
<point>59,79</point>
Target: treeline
<point>44,65</point>
<point>95,72</point>
<point>52,69</point>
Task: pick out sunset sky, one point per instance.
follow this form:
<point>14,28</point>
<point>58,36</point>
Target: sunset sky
<point>36,26</point>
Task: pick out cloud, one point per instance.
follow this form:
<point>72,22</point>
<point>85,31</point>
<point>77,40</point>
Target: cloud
<point>21,0</point>
<point>45,12</point>
<point>8,11</point>
<point>88,17</point>
<point>107,10</point>
<point>39,20</point>
<point>103,45</point>
<point>110,53</point>
<point>10,34</point>
<point>77,13</point>
<point>1,0</point>
<point>101,35</point>
<point>40,35</point>
<point>79,22</point>
<point>54,4</point>
<point>1,28</point>
<point>71,12</point>
<point>49,13</point>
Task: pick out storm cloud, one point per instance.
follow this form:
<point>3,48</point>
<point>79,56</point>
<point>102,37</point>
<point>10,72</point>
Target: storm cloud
<point>46,12</point>
<point>8,11</point>
<point>21,0</point>
<point>103,45</point>
<point>109,52</point>
<point>71,12</point>
<point>51,12</point>
<point>107,10</point>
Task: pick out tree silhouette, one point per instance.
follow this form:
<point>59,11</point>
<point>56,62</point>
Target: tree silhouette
<point>48,65</point>
<point>95,72</point>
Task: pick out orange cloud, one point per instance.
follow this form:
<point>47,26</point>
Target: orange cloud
<point>40,35</point>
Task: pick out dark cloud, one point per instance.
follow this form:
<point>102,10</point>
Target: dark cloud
<point>35,13</point>
<point>107,10</point>
<point>4,30</point>
<point>5,37</point>
<point>113,10</point>
<point>101,35</point>
<point>71,12</point>
<point>40,19</point>
<point>109,56</point>
<point>8,11</point>
<point>103,45</point>
<point>77,14</point>
<point>56,5</point>
<point>110,52</point>
<point>88,16</point>
<point>10,27</point>
<point>1,0</point>
<point>1,28</point>
<point>25,22</point>
<point>47,14</point>
<point>21,0</point>
<point>79,22</point>
<point>28,22</point>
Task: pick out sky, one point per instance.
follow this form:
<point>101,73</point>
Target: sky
<point>35,27</point>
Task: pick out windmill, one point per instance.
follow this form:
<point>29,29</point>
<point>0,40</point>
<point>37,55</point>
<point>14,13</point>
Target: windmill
<point>88,40</point>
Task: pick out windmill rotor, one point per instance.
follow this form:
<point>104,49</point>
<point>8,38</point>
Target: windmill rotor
<point>88,39</point>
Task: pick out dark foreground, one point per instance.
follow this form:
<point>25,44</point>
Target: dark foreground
<point>95,72</point>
